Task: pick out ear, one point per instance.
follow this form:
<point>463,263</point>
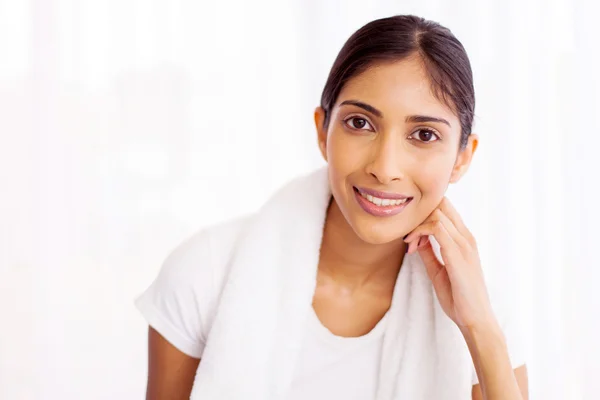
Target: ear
<point>465,156</point>
<point>321,131</point>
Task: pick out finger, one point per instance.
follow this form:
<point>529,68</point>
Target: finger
<point>447,208</point>
<point>448,246</point>
<point>457,236</point>
<point>436,215</point>
<point>417,244</point>
<point>432,264</point>
<point>431,217</point>
<point>412,246</point>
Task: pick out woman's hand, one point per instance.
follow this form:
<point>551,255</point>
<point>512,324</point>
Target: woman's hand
<point>458,281</point>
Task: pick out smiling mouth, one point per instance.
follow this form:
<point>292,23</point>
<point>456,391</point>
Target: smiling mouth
<point>381,201</point>
<point>380,207</point>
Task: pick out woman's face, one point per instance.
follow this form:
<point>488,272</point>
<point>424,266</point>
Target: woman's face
<point>388,133</point>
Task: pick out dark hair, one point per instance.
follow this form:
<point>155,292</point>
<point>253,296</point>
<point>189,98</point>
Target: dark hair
<point>396,38</point>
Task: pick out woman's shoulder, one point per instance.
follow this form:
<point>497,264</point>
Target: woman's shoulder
<point>180,303</point>
<point>209,248</point>
<point>215,239</point>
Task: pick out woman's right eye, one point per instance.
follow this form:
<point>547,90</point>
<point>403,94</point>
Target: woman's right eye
<point>357,123</point>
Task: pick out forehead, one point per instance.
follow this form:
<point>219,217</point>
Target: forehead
<point>398,89</point>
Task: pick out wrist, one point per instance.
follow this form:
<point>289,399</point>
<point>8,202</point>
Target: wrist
<point>487,330</point>
<point>491,360</point>
<point>486,343</point>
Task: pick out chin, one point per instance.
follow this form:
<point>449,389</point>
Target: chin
<point>376,233</point>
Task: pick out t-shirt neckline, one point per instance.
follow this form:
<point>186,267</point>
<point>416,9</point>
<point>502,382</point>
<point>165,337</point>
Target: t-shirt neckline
<point>325,334</point>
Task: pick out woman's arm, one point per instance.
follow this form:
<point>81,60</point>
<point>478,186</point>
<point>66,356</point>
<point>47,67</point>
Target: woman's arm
<point>492,362</point>
<point>460,287</point>
<point>170,372</point>
<point>522,380</point>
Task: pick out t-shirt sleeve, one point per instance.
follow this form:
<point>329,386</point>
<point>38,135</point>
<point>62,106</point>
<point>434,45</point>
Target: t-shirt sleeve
<point>178,303</point>
<point>512,325</point>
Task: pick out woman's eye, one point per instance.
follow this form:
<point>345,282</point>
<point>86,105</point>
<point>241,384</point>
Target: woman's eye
<point>357,123</point>
<point>425,135</point>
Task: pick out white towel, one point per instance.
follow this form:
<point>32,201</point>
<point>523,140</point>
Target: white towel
<point>257,332</point>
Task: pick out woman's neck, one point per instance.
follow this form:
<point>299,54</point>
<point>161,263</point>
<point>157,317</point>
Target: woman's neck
<point>349,261</point>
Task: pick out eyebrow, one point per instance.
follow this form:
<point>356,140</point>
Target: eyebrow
<point>426,118</point>
<point>379,114</point>
<point>364,106</point>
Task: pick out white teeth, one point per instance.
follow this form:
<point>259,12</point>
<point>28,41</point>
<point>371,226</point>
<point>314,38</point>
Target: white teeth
<point>382,202</point>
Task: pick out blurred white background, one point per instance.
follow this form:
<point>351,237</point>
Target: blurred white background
<point>127,125</point>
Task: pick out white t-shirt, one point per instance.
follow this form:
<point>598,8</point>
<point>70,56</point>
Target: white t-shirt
<point>335,367</point>
<point>181,302</point>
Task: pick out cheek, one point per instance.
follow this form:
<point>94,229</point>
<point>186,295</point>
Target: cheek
<point>343,153</point>
<point>344,158</point>
<point>433,180</point>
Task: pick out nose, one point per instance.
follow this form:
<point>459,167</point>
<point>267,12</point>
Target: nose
<point>385,164</point>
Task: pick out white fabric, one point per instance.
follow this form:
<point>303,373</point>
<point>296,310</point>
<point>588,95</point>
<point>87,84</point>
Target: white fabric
<point>182,302</point>
<point>334,367</point>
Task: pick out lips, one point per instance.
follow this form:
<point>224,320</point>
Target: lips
<point>382,195</point>
<point>386,206</point>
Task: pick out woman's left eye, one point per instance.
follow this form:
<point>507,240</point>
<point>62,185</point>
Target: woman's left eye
<point>425,135</point>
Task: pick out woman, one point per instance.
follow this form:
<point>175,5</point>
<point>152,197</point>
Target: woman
<point>394,126</point>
